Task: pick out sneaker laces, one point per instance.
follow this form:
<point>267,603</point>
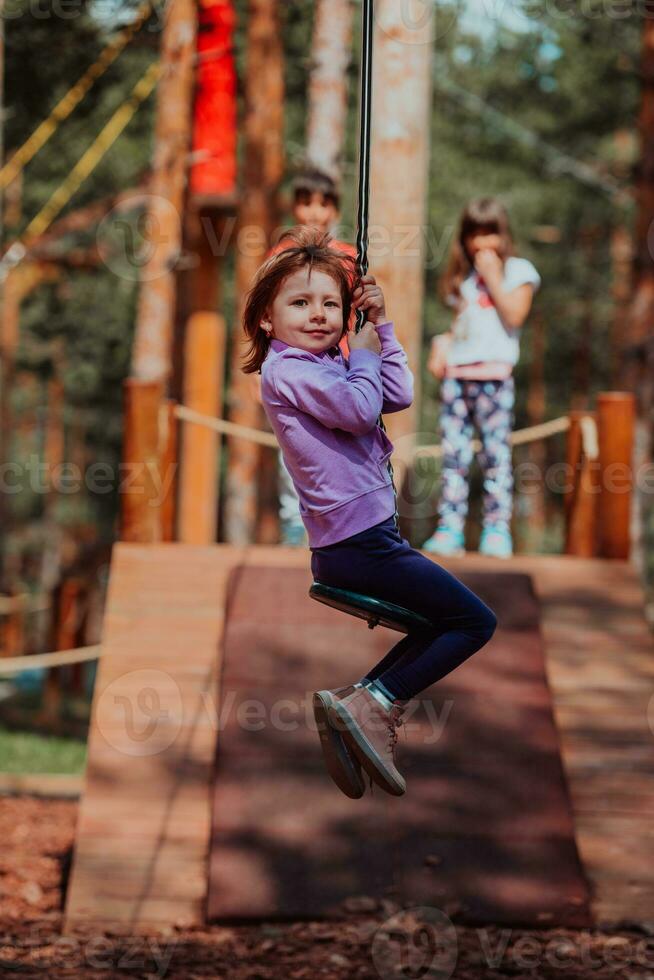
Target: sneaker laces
<point>394,722</point>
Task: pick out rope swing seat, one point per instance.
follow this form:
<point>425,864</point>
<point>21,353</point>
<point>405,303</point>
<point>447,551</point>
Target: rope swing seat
<point>374,611</point>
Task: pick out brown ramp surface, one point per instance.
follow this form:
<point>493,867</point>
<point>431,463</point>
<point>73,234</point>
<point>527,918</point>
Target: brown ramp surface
<point>486,826</point>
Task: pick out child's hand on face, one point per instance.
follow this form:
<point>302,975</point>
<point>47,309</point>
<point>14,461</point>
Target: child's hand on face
<point>366,339</point>
<point>437,363</point>
<point>489,265</point>
<point>368,296</point>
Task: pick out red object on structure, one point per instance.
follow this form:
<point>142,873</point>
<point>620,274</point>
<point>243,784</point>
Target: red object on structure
<point>213,173</point>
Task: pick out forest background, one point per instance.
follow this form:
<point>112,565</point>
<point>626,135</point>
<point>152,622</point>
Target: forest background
<point>535,102</point>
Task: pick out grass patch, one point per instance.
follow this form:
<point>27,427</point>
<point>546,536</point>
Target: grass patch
<point>22,752</point>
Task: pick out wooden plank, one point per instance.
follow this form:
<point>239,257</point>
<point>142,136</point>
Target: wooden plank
<point>144,819</point>
<point>41,784</point>
<point>601,668</point>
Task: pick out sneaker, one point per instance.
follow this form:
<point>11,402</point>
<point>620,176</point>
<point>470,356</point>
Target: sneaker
<point>496,542</point>
<point>369,731</point>
<point>445,541</point>
<point>343,767</point>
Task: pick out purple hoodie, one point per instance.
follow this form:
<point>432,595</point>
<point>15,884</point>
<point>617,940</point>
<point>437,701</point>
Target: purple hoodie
<point>324,410</point>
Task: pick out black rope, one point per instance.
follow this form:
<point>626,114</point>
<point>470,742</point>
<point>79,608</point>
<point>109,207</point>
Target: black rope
<point>363,216</point>
<point>363,213</point>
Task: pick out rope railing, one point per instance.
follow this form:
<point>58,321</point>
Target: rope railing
<point>589,437</point>
<point>59,658</point>
<point>532,433</point>
<point>224,427</point>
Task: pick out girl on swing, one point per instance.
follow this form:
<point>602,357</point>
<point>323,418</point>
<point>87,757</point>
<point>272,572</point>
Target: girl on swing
<point>324,410</point>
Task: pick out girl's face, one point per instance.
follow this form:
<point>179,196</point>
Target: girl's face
<point>307,312</point>
<point>482,238</point>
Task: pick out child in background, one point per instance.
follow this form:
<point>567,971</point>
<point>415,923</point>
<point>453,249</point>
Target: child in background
<point>316,204</point>
<point>492,292</point>
<point>324,410</point>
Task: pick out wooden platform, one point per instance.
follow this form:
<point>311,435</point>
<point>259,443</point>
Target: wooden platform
<point>143,839</point>
<point>600,661</point>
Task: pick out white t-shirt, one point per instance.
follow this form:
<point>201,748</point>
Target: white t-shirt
<point>478,333</point>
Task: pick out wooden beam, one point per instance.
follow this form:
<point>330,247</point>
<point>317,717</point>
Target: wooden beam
<point>616,416</point>
<point>581,499</point>
<point>141,487</point>
<point>204,363</point>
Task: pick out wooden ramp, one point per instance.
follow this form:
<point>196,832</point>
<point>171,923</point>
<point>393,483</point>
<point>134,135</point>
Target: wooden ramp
<point>487,823</point>
<point>144,820</point>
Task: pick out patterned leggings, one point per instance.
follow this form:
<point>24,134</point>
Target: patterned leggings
<point>488,407</point>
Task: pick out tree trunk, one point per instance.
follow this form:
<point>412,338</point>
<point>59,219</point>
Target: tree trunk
<point>641,312</point>
<point>263,129</point>
<point>400,166</point>
<point>152,352</point>
<point>328,89</point>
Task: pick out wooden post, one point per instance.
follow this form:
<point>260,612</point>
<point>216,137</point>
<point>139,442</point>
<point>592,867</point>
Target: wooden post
<point>582,492</point>
<point>168,443</point>
<point>19,282</point>
<point>203,383</point>
<point>151,356</point>
<point>13,633</point>
<point>537,451</point>
<point>200,360</point>
<point>65,637</point>
<point>328,87</point>
<point>621,276</point>
<point>263,170</point>
<point>54,438</point>
<point>616,416</point>
<point>400,163</point>
<point>141,504</point>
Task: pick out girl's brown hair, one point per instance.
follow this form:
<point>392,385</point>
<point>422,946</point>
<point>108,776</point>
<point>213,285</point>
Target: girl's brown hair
<point>303,247</point>
<point>482,212</point>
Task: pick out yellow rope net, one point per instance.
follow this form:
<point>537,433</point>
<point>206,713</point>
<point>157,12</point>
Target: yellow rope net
<point>71,99</point>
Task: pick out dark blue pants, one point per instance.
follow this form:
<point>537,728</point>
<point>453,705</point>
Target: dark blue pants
<point>380,563</point>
